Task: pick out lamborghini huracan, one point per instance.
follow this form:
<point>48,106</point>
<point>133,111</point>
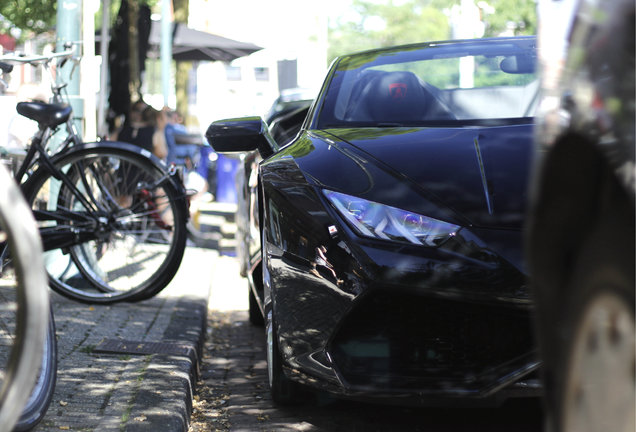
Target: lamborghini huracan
<point>383,243</point>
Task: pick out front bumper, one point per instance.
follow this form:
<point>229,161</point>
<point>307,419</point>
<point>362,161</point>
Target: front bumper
<point>405,344</point>
<point>408,326</point>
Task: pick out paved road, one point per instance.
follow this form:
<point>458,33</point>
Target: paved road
<point>233,393</point>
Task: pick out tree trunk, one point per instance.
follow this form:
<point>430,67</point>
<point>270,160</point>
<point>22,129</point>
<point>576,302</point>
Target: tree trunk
<point>181,12</point>
<point>133,35</point>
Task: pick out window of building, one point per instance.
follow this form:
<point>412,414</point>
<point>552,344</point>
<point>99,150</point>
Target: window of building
<point>233,73</point>
<point>261,73</point>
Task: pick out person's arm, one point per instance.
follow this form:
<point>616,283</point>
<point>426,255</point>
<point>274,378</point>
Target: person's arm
<point>159,145</point>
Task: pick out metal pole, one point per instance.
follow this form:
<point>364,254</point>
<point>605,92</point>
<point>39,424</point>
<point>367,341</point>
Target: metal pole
<point>88,87</point>
<point>103,75</point>
<point>166,49</point>
<point>69,25</point>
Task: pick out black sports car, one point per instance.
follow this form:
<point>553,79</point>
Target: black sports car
<point>386,237</point>
<point>581,231</point>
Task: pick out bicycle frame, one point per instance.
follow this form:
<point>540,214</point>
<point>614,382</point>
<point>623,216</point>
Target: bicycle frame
<point>39,157</point>
<point>113,210</point>
<point>92,216</point>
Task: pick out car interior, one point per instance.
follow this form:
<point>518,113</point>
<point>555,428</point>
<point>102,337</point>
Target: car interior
<point>401,97</point>
<point>386,97</point>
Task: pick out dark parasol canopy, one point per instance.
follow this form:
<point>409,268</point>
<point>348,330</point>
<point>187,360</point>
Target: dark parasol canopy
<point>187,45</point>
<point>193,45</point>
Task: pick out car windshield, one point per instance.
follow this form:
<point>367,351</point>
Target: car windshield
<point>461,82</point>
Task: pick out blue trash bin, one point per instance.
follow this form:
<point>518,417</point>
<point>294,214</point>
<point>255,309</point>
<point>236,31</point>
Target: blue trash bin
<point>225,173</point>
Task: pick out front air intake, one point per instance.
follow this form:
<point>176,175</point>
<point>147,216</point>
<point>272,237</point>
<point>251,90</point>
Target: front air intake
<point>409,342</point>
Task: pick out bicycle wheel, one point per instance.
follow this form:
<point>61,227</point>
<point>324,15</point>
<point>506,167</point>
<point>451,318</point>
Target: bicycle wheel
<point>42,393</point>
<point>24,303</point>
<point>116,229</point>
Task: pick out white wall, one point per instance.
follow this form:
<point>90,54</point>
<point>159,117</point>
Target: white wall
<point>286,29</point>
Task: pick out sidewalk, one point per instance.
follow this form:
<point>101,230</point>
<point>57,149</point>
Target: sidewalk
<point>133,366</point>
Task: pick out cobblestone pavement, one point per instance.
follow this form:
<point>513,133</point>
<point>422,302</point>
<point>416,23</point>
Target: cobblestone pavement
<point>233,392</point>
<point>117,388</point>
<point>134,366</point>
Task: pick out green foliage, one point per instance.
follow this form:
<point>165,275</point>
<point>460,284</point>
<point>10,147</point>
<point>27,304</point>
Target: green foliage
<point>382,23</point>
<point>444,73</point>
<point>520,14</point>
<point>387,23</point>
<point>37,16</point>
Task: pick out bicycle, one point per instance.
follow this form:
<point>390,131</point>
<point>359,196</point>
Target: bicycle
<point>111,216</point>
<point>27,329</point>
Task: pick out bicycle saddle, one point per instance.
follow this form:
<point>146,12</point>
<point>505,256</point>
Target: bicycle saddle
<point>47,115</point>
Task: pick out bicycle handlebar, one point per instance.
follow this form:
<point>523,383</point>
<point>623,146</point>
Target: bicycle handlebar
<point>21,58</point>
<point>44,60</point>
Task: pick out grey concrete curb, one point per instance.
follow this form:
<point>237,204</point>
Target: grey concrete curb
<point>166,400</point>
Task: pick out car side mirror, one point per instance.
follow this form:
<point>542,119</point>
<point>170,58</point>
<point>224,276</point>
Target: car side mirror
<point>518,64</point>
<point>241,135</point>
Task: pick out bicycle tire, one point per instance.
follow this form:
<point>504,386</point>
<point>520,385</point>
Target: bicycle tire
<point>138,220</point>
<point>24,307</point>
<point>40,398</point>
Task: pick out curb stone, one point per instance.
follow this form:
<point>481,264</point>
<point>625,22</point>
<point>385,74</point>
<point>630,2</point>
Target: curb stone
<point>122,390</point>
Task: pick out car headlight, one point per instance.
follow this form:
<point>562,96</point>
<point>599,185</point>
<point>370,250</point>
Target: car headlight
<point>371,219</point>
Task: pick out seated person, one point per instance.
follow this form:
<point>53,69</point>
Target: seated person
<point>177,153</point>
<point>145,127</point>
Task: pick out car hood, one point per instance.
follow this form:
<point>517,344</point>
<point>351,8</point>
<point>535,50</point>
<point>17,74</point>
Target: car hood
<point>480,173</point>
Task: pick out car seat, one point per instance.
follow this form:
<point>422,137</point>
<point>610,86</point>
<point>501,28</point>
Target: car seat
<point>393,97</point>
